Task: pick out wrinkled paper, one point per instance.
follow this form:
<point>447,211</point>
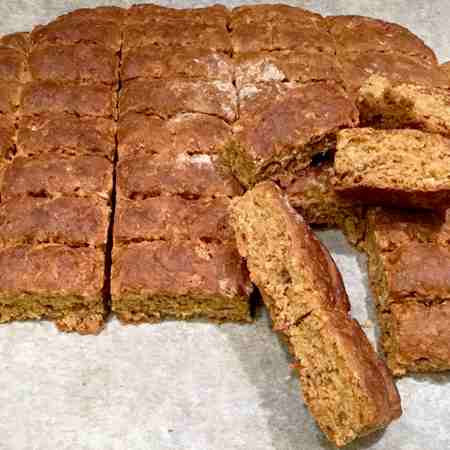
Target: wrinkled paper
<point>183,386</point>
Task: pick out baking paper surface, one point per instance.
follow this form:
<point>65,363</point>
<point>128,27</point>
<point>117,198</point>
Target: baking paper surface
<point>184,385</point>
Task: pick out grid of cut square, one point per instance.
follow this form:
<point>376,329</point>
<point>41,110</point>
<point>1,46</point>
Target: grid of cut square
<point>56,190</point>
<point>290,91</point>
<point>409,270</point>
<point>174,254</point>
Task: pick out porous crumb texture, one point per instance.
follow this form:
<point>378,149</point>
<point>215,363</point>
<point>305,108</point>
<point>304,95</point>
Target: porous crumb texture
<point>347,388</point>
<point>386,104</point>
<point>404,168</point>
<point>409,271</point>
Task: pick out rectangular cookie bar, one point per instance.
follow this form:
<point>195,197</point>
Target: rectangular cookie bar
<point>171,218</point>
<point>156,280</point>
<point>139,135</point>
<point>65,134</point>
<point>166,98</point>
<point>310,191</point>
<point>387,104</point>
<point>282,126</point>
<point>43,177</point>
<point>63,220</point>
<point>409,272</point>
<point>346,386</point>
<point>153,62</point>
<point>404,168</point>
<point>190,176</point>
<point>55,282</point>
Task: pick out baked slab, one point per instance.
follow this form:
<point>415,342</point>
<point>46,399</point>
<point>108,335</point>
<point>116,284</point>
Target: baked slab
<point>346,386</point>
<point>404,168</point>
<point>409,271</point>
<point>156,280</point>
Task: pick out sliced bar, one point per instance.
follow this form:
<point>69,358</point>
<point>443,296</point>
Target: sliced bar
<point>346,386</point>
<point>404,168</point>
<point>409,271</point>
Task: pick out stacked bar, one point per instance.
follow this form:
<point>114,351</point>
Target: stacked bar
<point>56,191</point>
<point>409,270</point>
<point>346,386</point>
<point>174,255</point>
<point>291,99</point>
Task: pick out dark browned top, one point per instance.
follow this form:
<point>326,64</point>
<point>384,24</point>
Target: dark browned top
<point>98,14</point>
<point>166,98</point>
<point>85,100</point>
<point>186,268</point>
<point>139,134</point>
<point>167,62</point>
<point>172,217</point>
<point>302,65</point>
<point>51,270</point>
<point>392,228</point>
<point>80,176</point>
<point>64,220</point>
<point>361,34</point>
<point>174,33</point>
<point>422,334</point>
<point>278,27</point>
<point>216,15</point>
<point>80,62</point>
<point>65,134</point>
<point>418,271</point>
<point>188,176</point>
<point>395,66</point>
<point>280,119</point>
<point>77,28</point>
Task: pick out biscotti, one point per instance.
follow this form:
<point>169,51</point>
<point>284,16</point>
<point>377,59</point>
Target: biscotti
<point>404,168</point>
<point>311,192</point>
<point>56,182</point>
<point>405,105</point>
<point>409,270</point>
<point>307,301</point>
<point>174,254</point>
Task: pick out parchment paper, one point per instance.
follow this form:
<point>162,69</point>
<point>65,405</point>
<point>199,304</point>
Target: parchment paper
<point>184,385</point>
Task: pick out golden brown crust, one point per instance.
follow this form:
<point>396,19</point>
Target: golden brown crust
<point>71,221</point>
<point>139,134</point>
<point>178,269</point>
<point>278,27</point>
<point>154,62</point>
<point>361,34</point>
<point>166,98</point>
<point>189,176</point>
<point>41,97</point>
<point>79,62</point>
<point>301,65</point>
<point>171,218</point>
<point>65,134</point>
<point>80,176</point>
<point>7,137</point>
<point>285,124</point>
<point>12,64</point>
<point>18,41</point>
<point>176,33</point>
<point>74,30</point>
<point>10,92</point>
<point>51,270</point>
